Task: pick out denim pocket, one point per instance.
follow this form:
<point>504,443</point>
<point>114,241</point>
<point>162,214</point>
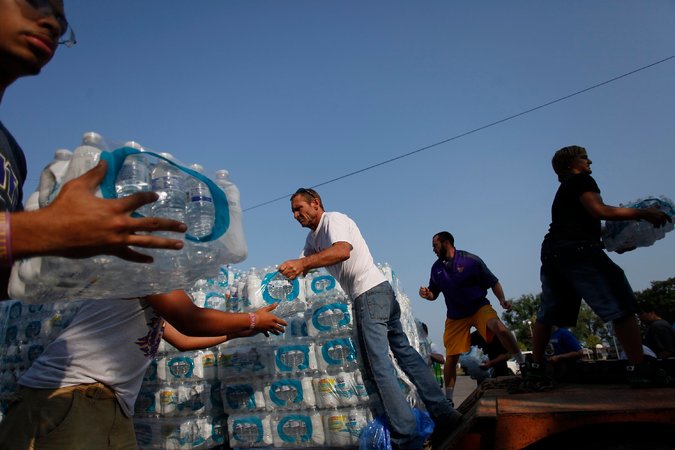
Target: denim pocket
<point>379,305</point>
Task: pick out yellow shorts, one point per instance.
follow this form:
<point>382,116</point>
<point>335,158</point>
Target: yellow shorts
<point>457,335</point>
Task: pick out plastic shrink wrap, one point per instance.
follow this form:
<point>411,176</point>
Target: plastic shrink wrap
<point>471,362</point>
<point>185,194</point>
<point>624,235</point>
<point>304,389</point>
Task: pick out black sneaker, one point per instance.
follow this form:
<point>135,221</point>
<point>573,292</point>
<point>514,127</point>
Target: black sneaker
<point>648,374</point>
<point>444,426</point>
<point>535,377</point>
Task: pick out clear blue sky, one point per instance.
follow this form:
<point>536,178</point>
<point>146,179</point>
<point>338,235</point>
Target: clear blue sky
<point>295,93</point>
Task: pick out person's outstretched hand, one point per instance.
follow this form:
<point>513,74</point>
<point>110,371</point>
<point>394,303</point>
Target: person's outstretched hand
<point>506,304</point>
<point>426,293</point>
<point>292,268</point>
<point>266,322</point>
<point>81,225</point>
<point>656,217</point>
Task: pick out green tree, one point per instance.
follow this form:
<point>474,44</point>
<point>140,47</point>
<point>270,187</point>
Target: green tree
<point>589,330</point>
<point>661,295</point>
<point>521,318</point>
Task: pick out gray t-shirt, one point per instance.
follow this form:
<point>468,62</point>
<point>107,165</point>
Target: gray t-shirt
<point>108,341</point>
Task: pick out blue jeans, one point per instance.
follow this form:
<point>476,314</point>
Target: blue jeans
<point>378,323</point>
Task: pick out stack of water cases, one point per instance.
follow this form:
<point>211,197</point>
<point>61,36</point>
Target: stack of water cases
<point>304,389</point>
<point>25,331</point>
<point>210,208</point>
<point>180,404</point>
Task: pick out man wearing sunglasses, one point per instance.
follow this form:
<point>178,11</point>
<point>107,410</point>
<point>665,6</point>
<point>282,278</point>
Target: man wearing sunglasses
<point>77,224</point>
<point>335,243</point>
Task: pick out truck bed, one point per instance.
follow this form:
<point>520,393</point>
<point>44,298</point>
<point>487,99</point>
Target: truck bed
<point>592,410</point>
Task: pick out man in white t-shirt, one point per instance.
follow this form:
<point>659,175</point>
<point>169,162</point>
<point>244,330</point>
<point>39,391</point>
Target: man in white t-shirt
<point>335,243</point>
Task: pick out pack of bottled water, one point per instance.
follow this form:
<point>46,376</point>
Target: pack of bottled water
<point>180,404</point>
<point>181,433</point>
<point>210,208</point>
<point>471,362</point>
<point>306,388</point>
<point>25,331</point>
<point>624,235</point>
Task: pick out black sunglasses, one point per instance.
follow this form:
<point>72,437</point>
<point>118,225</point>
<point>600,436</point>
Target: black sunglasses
<point>311,192</point>
<point>47,8</point>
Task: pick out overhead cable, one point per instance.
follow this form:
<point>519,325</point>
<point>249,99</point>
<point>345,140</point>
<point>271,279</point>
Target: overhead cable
<point>475,130</point>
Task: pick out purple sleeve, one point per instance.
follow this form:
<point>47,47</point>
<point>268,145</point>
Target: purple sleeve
<point>433,286</point>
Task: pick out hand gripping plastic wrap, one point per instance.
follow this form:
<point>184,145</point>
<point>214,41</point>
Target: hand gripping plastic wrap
<point>625,235</point>
<point>304,389</point>
<point>471,362</point>
<point>214,234</point>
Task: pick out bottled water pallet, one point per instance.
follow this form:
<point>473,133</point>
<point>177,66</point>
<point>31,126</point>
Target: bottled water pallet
<point>304,389</point>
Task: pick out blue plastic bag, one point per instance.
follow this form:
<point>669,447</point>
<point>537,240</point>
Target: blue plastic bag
<point>425,425</point>
<point>375,435</point>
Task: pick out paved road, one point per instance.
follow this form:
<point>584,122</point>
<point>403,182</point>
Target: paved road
<point>463,388</point>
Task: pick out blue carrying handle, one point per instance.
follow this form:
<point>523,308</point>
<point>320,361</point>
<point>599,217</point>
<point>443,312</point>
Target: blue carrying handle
<point>115,160</point>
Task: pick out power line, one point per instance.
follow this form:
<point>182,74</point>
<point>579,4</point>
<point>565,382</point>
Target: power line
<point>475,130</point>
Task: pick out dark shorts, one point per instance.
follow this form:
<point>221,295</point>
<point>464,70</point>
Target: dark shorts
<point>572,270</point>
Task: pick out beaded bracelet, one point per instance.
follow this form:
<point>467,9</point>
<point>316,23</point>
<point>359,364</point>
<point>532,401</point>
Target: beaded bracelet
<point>5,247</point>
<point>251,321</point>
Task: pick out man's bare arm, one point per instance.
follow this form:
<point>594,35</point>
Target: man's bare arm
<point>336,253</point>
<point>77,224</point>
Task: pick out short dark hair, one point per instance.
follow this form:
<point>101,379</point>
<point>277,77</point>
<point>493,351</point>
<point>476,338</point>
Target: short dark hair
<point>445,236</point>
<point>563,158</point>
<point>308,194</point>
<point>645,307</point>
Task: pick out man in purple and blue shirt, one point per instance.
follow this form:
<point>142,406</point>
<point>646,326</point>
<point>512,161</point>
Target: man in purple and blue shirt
<point>464,280</point>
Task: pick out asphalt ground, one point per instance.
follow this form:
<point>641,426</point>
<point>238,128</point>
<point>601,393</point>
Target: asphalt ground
<point>464,386</point>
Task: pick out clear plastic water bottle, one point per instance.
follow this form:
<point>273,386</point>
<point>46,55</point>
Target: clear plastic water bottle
<point>59,272</point>
<point>232,192</point>
<point>200,217</point>
<point>134,175</point>
<point>86,156</point>
<point>52,176</point>
<point>254,290</point>
<point>200,209</point>
<point>169,183</point>
<point>234,243</point>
